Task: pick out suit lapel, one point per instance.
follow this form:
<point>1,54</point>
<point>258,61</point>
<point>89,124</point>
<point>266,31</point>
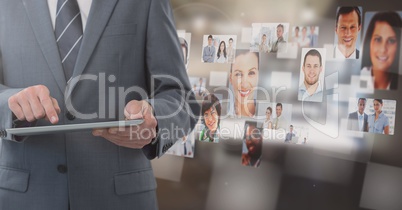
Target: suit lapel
<point>98,17</point>
<point>39,17</point>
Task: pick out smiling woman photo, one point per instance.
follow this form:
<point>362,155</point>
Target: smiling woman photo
<point>378,122</point>
<point>381,50</point>
<point>244,80</point>
<point>211,112</point>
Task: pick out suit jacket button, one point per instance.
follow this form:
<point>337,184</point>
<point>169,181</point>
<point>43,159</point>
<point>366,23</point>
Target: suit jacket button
<point>70,116</point>
<point>62,169</point>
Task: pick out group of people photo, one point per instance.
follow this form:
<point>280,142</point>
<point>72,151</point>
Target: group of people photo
<point>269,37</point>
<point>305,36</point>
<point>372,115</point>
<point>379,53</point>
<point>219,49</point>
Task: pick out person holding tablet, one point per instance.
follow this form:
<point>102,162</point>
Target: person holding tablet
<point>77,61</point>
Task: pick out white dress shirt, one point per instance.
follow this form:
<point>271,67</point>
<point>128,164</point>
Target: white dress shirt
<point>85,6</point>
<point>360,118</point>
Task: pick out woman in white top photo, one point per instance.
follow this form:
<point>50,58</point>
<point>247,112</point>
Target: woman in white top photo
<point>381,50</point>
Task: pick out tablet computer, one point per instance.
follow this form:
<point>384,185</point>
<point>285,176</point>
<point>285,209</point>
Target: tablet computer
<point>27,131</point>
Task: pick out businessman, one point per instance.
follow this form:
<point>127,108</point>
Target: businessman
<point>290,135</point>
<point>68,62</point>
<point>280,44</point>
<point>347,29</point>
<point>357,121</point>
<point>208,54</point>
<point>279,121</point>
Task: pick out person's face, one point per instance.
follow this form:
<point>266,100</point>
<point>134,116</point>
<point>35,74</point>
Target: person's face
<point>312,69</point>
<point>244,75</point>
<point>304,32</point>
<point>312,29</point>
<point>348,29</point>
<point>297,31</point>
<point>222,47</point>
<point>264,38</point>
<point>268,114</point>
<point>377,106</point>
<point>230,43</point>
<point>209,41</point>
<point>383,46</point>
<point>279,32</point>
<point>361,105</point>
<point>278,111</point>
<point>291,129</point>
<point>253,140</point>
<point>211,118</point>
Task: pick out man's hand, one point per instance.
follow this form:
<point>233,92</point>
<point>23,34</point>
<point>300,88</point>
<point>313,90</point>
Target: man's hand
<point>34,103</point>
<point>135,136</point>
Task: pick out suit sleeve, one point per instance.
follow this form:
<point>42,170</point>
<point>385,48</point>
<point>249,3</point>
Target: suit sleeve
<point>204,55</point>
<point>6,117</point>
<point>173,101</point>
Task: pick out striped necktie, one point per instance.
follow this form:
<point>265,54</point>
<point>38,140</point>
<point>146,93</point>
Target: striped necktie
<point>68,31</point>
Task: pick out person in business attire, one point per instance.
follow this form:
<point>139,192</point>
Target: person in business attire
<point>347,29</point>
<point>289,135</point>
<point>57,59</point>
<point>182,148</point>
<point>253,142</point>
<point>263,47</point>
<point>296,37</point>
<point>208,54</point>
<point>200,89</point>
<point>221,56</point>
<point>311,89</point>
<point>381,50</point>
<point>378,122</point>
<point>304,40</point>
<point>313,37</point>
<point>231,51</point>
<point>279,122</point>
<point>357,121</point>
<point>267,122</point>
<point>280,43</point>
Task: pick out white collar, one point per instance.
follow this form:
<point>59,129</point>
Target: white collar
<point>339,54</point>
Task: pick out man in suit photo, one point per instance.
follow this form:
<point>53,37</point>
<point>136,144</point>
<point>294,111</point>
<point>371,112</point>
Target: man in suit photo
<point>208,54</point>
<point>280,44</point>
<point>78,61</point>
<point>290,135</point>
<point>347,29</point>
<point>357,121</point>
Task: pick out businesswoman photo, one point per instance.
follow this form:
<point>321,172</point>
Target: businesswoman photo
<point>211,112</point>
<point>268,121</point>
<point>381,50</point>
<point>378,122</point>
<point>244,79</point>
<point>221,54</point>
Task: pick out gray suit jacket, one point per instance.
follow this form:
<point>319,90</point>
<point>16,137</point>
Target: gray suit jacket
<point>353,122</point>
<point>208,54</point>
<point>127,47</point>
